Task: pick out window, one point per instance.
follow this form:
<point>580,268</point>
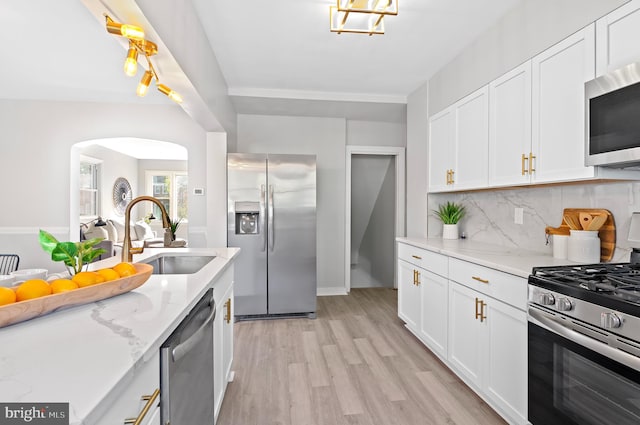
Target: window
<point>89,187</point>
<point>170,188</point>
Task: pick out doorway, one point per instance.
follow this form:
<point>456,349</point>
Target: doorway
<point>375,215</point>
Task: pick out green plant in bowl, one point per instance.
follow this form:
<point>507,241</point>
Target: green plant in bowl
<point>450,213</point>
<point>75,255</point>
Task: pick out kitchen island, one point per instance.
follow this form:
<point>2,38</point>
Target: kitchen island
<point>89,355</point>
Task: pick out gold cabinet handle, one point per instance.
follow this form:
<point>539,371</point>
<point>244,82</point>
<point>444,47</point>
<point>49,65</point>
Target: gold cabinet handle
<point>452,173</point>
<point>480,305</point>
<point>448,176</point>
<point>417,278</point>
<point>524,170</point>
<point>479,279</point>
<point>531,158</point>
<point>417,257</point>
<point>149,399</point>
<point>227,317</point>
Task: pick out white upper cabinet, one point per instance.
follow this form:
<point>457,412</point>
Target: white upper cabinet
<point>617,38</point>
<point>458,144</point>
<point>441,149</point>
<point>510,127</point>
<point>558,108</point>
<point>472,141</point>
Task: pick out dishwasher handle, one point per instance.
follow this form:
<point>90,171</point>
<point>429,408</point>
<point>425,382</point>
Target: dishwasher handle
<point>182,349</point>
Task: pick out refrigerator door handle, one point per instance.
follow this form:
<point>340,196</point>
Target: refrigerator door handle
<point>263,245</point>
<point>270,225</point>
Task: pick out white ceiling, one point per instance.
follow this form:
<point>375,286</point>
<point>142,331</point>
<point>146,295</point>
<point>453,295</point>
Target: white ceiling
<point>268,51</point>
<point>286,46</point>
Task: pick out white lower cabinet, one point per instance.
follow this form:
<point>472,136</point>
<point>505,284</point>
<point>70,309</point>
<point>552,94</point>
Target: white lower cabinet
<point>488,349</point>
<point>433,323</point>
<point>474,319</point>
<point>223,338</point>
<point>409,295</point>
<point>140,391</point>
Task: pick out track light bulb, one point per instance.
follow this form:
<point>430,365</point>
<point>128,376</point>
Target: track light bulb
<point>130,31</point>
<point>170,93</point>
<point>143,85</point>
<point>131,63</point>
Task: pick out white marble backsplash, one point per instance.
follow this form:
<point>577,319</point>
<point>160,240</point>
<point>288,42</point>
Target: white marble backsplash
<point>490,214</point>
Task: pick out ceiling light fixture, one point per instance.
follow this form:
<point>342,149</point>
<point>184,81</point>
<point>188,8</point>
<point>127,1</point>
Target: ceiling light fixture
<point>138,45</point>
<point>361,16</point>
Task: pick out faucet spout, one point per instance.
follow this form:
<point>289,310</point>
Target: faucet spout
<point>127,249</point>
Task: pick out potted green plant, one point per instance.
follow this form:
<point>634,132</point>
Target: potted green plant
<point>75,255</point>
<point>450,214</point>
<point>173,227</point>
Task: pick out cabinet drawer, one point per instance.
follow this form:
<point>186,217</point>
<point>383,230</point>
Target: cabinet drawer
<point>501,286</point>
<point>435,263</point>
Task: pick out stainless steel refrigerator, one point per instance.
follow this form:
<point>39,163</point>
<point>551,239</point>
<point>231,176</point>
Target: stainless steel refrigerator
<point>272,218</point>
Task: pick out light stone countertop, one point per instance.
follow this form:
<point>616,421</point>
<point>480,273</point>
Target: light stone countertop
<point>82,354</point>
<point>509,260</point>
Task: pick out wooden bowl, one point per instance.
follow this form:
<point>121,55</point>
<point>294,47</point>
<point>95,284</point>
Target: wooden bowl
<point>25,310</point>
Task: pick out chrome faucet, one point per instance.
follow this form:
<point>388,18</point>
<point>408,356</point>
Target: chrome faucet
<point>127,249</point>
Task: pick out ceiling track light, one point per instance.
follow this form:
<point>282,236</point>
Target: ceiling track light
<point>361,16</point>
<point>169,93</point>
<point>138,45</point>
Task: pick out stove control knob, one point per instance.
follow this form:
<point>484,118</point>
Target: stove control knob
<point>564,304</point>
<point>610,320</point>
<point>546,299</point>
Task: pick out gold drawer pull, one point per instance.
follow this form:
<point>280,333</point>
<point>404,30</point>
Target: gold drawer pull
<point>149,399</point>
<point>479,279</point>
<point>228,315</point>
<point>417,257</point>
<point>524,169</point>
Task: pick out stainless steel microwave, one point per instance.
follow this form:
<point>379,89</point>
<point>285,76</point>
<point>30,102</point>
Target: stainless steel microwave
<point>613,118</point>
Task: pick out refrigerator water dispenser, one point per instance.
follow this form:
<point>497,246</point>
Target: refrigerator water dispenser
<point>247,218</point>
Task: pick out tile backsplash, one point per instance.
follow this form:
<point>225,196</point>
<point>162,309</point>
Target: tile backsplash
<point>490,214</point>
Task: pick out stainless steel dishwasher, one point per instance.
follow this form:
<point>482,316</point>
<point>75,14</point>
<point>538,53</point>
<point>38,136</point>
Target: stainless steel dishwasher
<point>186,368</point>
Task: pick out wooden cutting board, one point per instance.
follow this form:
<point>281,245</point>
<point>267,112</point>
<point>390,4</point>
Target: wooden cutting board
<point>607,233</point>
<point>25,310</point>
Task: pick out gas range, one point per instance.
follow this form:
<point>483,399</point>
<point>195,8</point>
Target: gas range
<point>598,300</point>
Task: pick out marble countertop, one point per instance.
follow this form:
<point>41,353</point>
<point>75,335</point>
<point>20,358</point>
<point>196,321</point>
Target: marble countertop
<point>509,260</point>
<point>80,354</point>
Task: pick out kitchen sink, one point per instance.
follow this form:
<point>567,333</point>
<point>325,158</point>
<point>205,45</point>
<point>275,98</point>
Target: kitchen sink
<point>178,264</point>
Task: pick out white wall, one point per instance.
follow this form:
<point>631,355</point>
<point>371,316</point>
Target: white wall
<point>324,137</point>
<point>525,31</point>
<point>36,141</point>
<point>327,138</point>
<point>114,165</point>
<point>417,151</point>
<point>369,133</point>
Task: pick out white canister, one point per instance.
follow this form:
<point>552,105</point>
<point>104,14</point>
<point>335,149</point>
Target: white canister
<point>449,231</point>
<point>584,246</point>
<point>560,246</point>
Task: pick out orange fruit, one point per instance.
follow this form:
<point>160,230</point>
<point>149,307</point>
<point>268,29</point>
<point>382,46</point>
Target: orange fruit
<point>32,288</point>
<point>7,295</point>
<point>125,269</point>
<point>108,274</point>
<point>63,285</point>
<point>87,279</point>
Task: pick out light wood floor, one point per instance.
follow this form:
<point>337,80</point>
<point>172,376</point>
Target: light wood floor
<point>354,365</point>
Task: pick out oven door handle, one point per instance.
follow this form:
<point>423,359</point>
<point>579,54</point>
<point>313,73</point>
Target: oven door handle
<point>626,359</point>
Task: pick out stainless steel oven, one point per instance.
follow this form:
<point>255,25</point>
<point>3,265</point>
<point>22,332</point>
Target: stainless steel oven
<point>583,346</point>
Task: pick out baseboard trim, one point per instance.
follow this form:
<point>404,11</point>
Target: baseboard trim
<point>330,292</point>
